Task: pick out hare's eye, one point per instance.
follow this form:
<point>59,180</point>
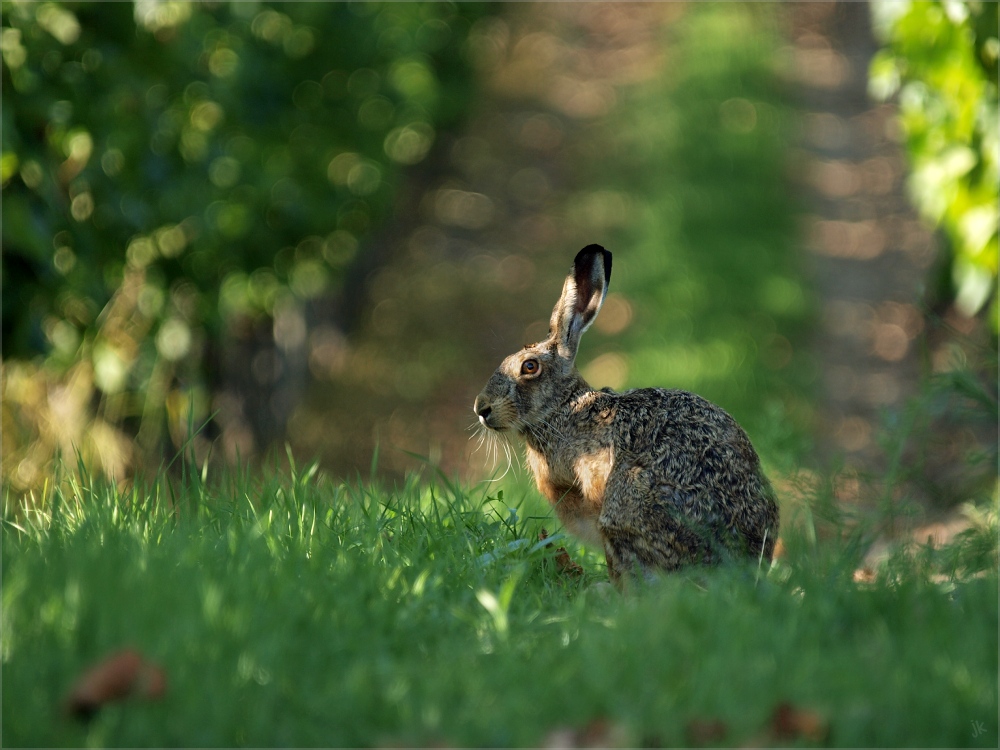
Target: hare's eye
<point>530,367</point>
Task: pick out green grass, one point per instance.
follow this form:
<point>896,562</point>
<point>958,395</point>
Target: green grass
<point>287,609</point>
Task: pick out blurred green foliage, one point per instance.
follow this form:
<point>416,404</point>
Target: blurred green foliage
<point>173,171</point>
<point>941,59</point>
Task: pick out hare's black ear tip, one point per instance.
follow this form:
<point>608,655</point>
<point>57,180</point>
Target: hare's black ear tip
<point>591,250</point>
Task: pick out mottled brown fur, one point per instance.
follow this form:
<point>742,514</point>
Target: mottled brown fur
<point>659,478</point>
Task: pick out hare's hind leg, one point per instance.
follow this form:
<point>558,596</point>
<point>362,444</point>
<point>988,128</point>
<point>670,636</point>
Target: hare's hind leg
<point>629,559</point>
<point>641,553</point>
<point>640,538</point>
<point>635,545</point>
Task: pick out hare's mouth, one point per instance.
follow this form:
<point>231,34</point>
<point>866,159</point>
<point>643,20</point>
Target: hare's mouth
<point>497,420</point>
<point>488,418</point>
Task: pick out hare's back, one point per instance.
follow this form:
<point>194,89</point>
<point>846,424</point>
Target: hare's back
<point>685,440</point>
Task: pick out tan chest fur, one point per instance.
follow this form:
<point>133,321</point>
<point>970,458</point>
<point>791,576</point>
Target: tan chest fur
<point>575,486</point>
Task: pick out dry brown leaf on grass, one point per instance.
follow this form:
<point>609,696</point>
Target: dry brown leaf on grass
<point>864,575</point>
<point>563,561</point>
<point>701,732</point>
<point>790,723</point>
<point>117,676</point>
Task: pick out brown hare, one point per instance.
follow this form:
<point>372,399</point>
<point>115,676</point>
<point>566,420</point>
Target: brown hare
<point>658,478</point>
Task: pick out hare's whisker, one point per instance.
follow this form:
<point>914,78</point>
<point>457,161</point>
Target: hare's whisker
<point>507,450</point>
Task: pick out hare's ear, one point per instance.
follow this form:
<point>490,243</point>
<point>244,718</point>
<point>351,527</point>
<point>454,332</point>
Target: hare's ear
<point>582,296</point>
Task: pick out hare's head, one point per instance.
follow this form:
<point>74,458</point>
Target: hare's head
<point>530,384</point>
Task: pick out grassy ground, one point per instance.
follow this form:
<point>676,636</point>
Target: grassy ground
<point>295,611</point>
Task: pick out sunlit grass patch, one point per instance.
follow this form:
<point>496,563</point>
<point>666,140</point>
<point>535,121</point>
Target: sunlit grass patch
<point>289,609</point>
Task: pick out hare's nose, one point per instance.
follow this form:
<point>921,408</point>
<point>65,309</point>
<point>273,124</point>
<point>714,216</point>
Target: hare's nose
<point>483,410</point>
